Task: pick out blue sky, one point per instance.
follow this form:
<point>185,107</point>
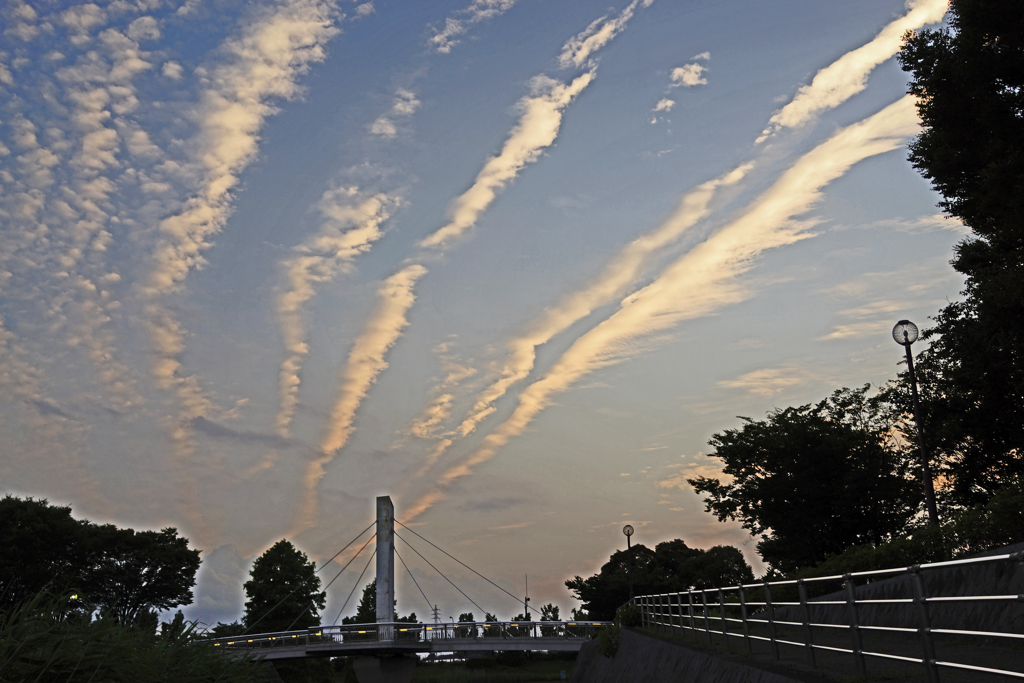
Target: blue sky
<point>511,262</point>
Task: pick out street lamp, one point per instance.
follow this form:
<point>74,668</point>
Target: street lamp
<point>628,530</point>
<point>905,334</point>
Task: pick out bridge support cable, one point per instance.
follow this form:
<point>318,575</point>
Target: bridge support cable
<point>514,597</point>
<point>356,585</point>
<point>438,570</point>
<point>409,572</point>
<point>351,560</point>
<point>347,545</point>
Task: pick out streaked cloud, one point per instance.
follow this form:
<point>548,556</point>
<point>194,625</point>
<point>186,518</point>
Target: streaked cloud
<point>445,39</point>
<point>768,382</point>
<point>540,117</point>
<point>352,223</point>
<point>847,76</point>
<point>599,33</point>
<point>705,279</point>
<point>366,361</point>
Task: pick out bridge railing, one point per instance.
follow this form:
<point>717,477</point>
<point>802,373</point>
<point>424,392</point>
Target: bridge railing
<point>355,634</point>
<point>938,605</point>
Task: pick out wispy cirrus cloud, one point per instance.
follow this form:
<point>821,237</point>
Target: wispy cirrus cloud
<point>262,64</point>
<point>366,360</point>
<point>540,117</point>
<point>403,105</point>
<point>446,38</point>
<point>352,223</point>
<point>704,280</point>
<point>847,76</point>
<point>599,33</point>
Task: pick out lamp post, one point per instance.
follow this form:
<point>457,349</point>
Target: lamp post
<point>628,530</point>
<point>905,334</point>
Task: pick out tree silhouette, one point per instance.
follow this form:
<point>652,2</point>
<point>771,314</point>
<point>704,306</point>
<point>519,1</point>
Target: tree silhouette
<point>283,574</point>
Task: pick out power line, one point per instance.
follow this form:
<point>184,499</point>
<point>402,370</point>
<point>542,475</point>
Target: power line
<point>438,570</point>
<point>464,565</point>
<point>267,613</point>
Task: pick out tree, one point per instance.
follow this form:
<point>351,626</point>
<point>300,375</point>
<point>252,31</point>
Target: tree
<point>283,574</point>
<point>814,480</point>
<point>132,572</point>
<point>124,573</point>
<point>672,566</point>
<point>42,544</point>
<point>969,81</point>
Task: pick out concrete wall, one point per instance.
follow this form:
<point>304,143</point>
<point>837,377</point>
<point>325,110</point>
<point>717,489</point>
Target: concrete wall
<point>645,659</point>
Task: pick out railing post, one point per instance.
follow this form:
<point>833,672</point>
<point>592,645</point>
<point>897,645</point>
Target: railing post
<point>693,623</point>
<point>924,627</point>
<point>707,621</point>
<point>743,618</point>
<point>802,590</point>
<point>721,607</point>
<point>674,606</point>
<point>858,644</point>
<point>771,619</point>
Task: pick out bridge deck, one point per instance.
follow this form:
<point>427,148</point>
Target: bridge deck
<point>396,638</point>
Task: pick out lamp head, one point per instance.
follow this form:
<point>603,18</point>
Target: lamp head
<point>904,333</point>
<point>628,530</point>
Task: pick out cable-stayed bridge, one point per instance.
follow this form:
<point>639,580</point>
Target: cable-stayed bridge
<point>385,648</point>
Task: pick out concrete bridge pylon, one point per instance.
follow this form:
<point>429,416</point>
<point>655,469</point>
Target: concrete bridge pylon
<point>385,560</point>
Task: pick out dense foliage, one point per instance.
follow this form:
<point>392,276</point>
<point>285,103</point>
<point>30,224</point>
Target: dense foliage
<point>671,566</point>
<point>969,80</point>
<point>814,479</point>
<point>283,591</point>
<point>47,638</point>
<point>123,573</point>
<point>962,533</point>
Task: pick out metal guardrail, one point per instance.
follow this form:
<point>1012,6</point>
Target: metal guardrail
<point>753,606</point>
<point>432,636</point>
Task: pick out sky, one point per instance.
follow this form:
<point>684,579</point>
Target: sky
<point>510,262</point>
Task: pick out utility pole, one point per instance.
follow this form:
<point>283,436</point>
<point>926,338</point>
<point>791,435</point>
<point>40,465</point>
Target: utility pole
<point>526,602</point>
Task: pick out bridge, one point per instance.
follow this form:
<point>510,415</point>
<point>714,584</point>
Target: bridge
<point>386,650</point>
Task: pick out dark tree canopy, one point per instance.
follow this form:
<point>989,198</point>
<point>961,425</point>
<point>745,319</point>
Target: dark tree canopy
<point>969,80</point>
<point>42,544</point>
<point>282,573</point>
<point>814,480</point>
<point>671,566</point>
<point>121,572</point>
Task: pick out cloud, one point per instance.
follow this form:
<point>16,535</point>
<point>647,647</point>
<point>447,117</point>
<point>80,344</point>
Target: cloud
<point>539,121</point>
<point>405,104</point>
<point>172,70</point>
<point>621,273</point>
<point>848,75</point>
<point>688,75</point>
<point>262,64</point>
<point>664,104</point>
<point>599,33</point>
<point>770,381</point>
<point>704,280</point>
<point>366,361</point>
<point>479,10</point>
<point>352,223</point>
